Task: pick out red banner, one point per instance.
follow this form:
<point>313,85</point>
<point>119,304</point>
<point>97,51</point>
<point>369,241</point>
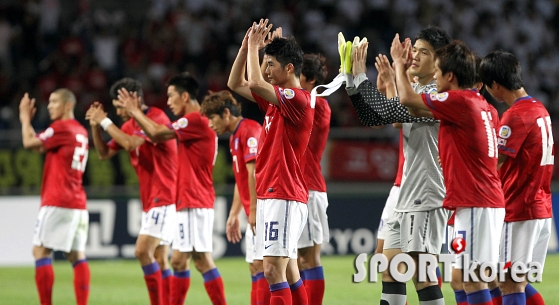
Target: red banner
<point>362,161</point>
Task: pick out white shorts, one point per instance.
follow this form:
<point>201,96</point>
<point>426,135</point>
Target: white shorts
<point>250,240</point>
<point>194,230</point>
<point>422,231</point>
<point>160,222</point>
<point>61,229</point>
<point>279,224</point>
<point>316,229</point>
<point>449,238</point>
<point>481,230</point>
<point>525,241</point>
<point>388,210</point>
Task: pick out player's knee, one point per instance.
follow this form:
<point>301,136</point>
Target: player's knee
<point>509,286</point>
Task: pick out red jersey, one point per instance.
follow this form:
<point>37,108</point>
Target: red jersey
<point>401,160</point>
<point>196,155</point>
<point>67,146</point>
<point>284,139</point>
<point>154,163</point>
<point>468,148</point>
<point>525,136</point>
<point>312,171</point>
<point>243,145</point>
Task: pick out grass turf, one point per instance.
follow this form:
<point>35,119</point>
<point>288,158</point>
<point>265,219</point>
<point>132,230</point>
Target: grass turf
<point>121,282</point>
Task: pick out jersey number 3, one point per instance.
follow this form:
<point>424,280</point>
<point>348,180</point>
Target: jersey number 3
<point>547,141</point>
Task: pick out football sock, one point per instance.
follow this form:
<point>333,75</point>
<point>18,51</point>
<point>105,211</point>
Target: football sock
<point>460,296</point>
<point>518,298</point>
<point>214,287</point>
<point>393,293</point>
<point>481,297</point>
<point>179,287</point>
<point>263,293</point>
<point>431,295</point>
<point>44,279</point>
<point>81,281</point>
<point>253,290</point>
<point>314,284</point>
<point>533,297</point>
<point>281,294</point>
<point>152,276</point>
<point>166,279</point>
<point>439,277</point>
<point>298,293</point>
<point>496,296</point>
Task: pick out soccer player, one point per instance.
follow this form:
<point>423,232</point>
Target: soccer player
<point>63,219</point>
<point>197,151</point>
<point>315,230</point>
<point>224,113</point>
<point>280,188</point>
<point>468,152</point>
<point>156,167</point>
<point>418,223</point>
<point>526,155</point>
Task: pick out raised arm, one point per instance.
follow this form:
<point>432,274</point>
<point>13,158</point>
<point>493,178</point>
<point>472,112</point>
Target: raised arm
<point>26,112</point>
<point>256,81</point>
<point>401,54</point>
<point>237,80</point>
<point>156,132</point>
<point>386,79</point>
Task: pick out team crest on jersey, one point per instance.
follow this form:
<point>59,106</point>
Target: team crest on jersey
<point>288,93</point>
<point>252,142</point>
<point>505,132</point>
<point>183,122</point>
<point>49,132</point>
<point>441,97</point>
<point>501,142</point>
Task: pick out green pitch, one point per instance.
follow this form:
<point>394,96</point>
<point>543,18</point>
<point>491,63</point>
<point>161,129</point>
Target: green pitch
<point>121,282</point>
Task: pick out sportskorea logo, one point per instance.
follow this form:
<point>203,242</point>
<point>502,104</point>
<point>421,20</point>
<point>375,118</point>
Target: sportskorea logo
<point>427,263</point>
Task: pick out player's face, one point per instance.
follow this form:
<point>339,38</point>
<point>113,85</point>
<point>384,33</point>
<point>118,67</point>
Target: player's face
<point>123,114</point>
<point>56,106</point>
<point>218,124</point>
<point>275,73</point>
<point>175,101</point>
<point>442,83</point>
<point>423,59</point>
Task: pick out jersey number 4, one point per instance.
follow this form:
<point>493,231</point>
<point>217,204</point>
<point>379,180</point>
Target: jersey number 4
<point>547,141</point>
<point>79,159</point>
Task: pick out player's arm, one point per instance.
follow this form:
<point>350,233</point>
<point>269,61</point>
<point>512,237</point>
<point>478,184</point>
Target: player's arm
<point>251,169</point>
<point>26,112</point>
<point>401,54</point>
<point>256,81</point>
<point>502,159</point>
<point>233,229</point>
<point>237,80</point>
<point>156,132</point>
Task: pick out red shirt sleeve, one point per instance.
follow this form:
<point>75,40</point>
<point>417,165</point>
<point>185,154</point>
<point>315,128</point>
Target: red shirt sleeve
<point>446,106</point>
<point>56,135</point>
<point>189,127</point>
<point>512,134</point>
<point>251,139</point>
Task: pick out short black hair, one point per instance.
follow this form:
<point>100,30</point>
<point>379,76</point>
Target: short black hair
<point>457,58</point>
<point>127,83</point>
<point>286,51</point>
<point>435,36</point>
<point>185,82</point>
<point>314,68</point>
<point>502,68</point>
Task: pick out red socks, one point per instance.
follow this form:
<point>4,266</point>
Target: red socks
<point>152,276</point>
<point>166,279</point>
<point>44,279</point>
<point>81,281</point>
<point>214,287</point>
<point>281,294</point>
<point>313,280</point>
<point>263,294</point>
<point>298,293</point>
<point>179,287</point>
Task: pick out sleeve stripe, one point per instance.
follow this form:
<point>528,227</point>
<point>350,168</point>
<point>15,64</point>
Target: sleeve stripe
<point>428,98</point>
<point>501,147</point>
